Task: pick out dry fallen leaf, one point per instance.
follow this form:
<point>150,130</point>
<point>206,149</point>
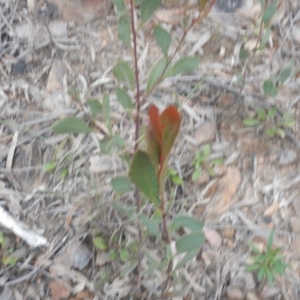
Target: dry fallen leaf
<point>205,132</point>
<point>59,291</point>
<point>213,237</point>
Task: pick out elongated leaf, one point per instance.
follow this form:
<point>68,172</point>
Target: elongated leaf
<point>269,12</point>
<point>156,73</point>
<point>120,5</point>
<point>147,9</point>
<point>249,122</point>
<point>95,106</point>
<point>186,221</point>
<point>284,74</point>
<point>170,122</point>
<point>270,88</point>
<point>71,125</point>
<point>124,28</point>
<point>272,112</point>
<point>185,65</point>
<point>123,98</point>
<point>163,39</point>
<point>121,184</point>
<point>142,173</point>
<point>190,242</point>
<point>151,226</point>
<point>190,255</point>
<point>123,72</point>
<point>106,111</point>
<point>108,143</point>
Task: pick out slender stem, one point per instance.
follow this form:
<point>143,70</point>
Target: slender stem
<point>194,21</point>
<point>136,74</point>
<point>137,129</point>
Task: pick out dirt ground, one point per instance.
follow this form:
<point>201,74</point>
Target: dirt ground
<point>53,57</point>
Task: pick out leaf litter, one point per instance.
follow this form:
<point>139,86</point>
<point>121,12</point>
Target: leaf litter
<point>88,194</point>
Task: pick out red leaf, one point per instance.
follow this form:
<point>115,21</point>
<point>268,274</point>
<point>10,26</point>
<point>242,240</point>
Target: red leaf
<point>170,122</point>
<point>155,123</point>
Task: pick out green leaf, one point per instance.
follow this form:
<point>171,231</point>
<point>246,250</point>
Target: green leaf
<point>63,173</point>
<point>71,125</point>
<point>270,88</point>
<point>191,254</point>
<point>147,9</point>
<point>124,28</point>
<point>261,114</point>
<point>284,75</point>
<point>123,209</point>
<point>269,12</point>
<point>106,111</point>
<point>142,173</point>
<point>185,65</point>
<point>121,184</point>
<point>49,167</point>
<point>186,221</point>
<point>270,241</point>
<point>156,73</point>
<point>123,72</point>
<point>196,174</point>
<point>280,132</point>
<point>271,131</point>
<point>150,225</point>
<point>100,243</point>
<point>9,260</point>
<point>243,55</point>
<point>272,112</point>
<point>120,5</point>
<point>2,239</point>
<point>123,98</point>
<point>265,38</point>
<point>250,122</point>
<point>113,254</point>
<point>108,143</point>
<point>163,39</point>
<point>124,254</point>
<point>190,242</point>
<point>95,106</point>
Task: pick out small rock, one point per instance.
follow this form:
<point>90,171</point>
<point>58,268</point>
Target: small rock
<point>79,254</point>
<point>81,257</point>
<point>234,293</point>
<point>205,132</point>
<point>287,156</point>
<point>19,68</point>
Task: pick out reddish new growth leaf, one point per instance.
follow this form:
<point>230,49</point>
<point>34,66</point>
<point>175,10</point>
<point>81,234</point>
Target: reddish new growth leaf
<point>162,133</point>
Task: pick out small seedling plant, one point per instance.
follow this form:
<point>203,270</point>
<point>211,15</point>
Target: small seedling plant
<point>147,162</point>
<point>202,163</point>
<point>268,264</point>
<point>270,123</point>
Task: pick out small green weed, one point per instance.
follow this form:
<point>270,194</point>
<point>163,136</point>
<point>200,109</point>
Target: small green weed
<point>268,264</point>
<point>272,125</point>
<point>201,162</point>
